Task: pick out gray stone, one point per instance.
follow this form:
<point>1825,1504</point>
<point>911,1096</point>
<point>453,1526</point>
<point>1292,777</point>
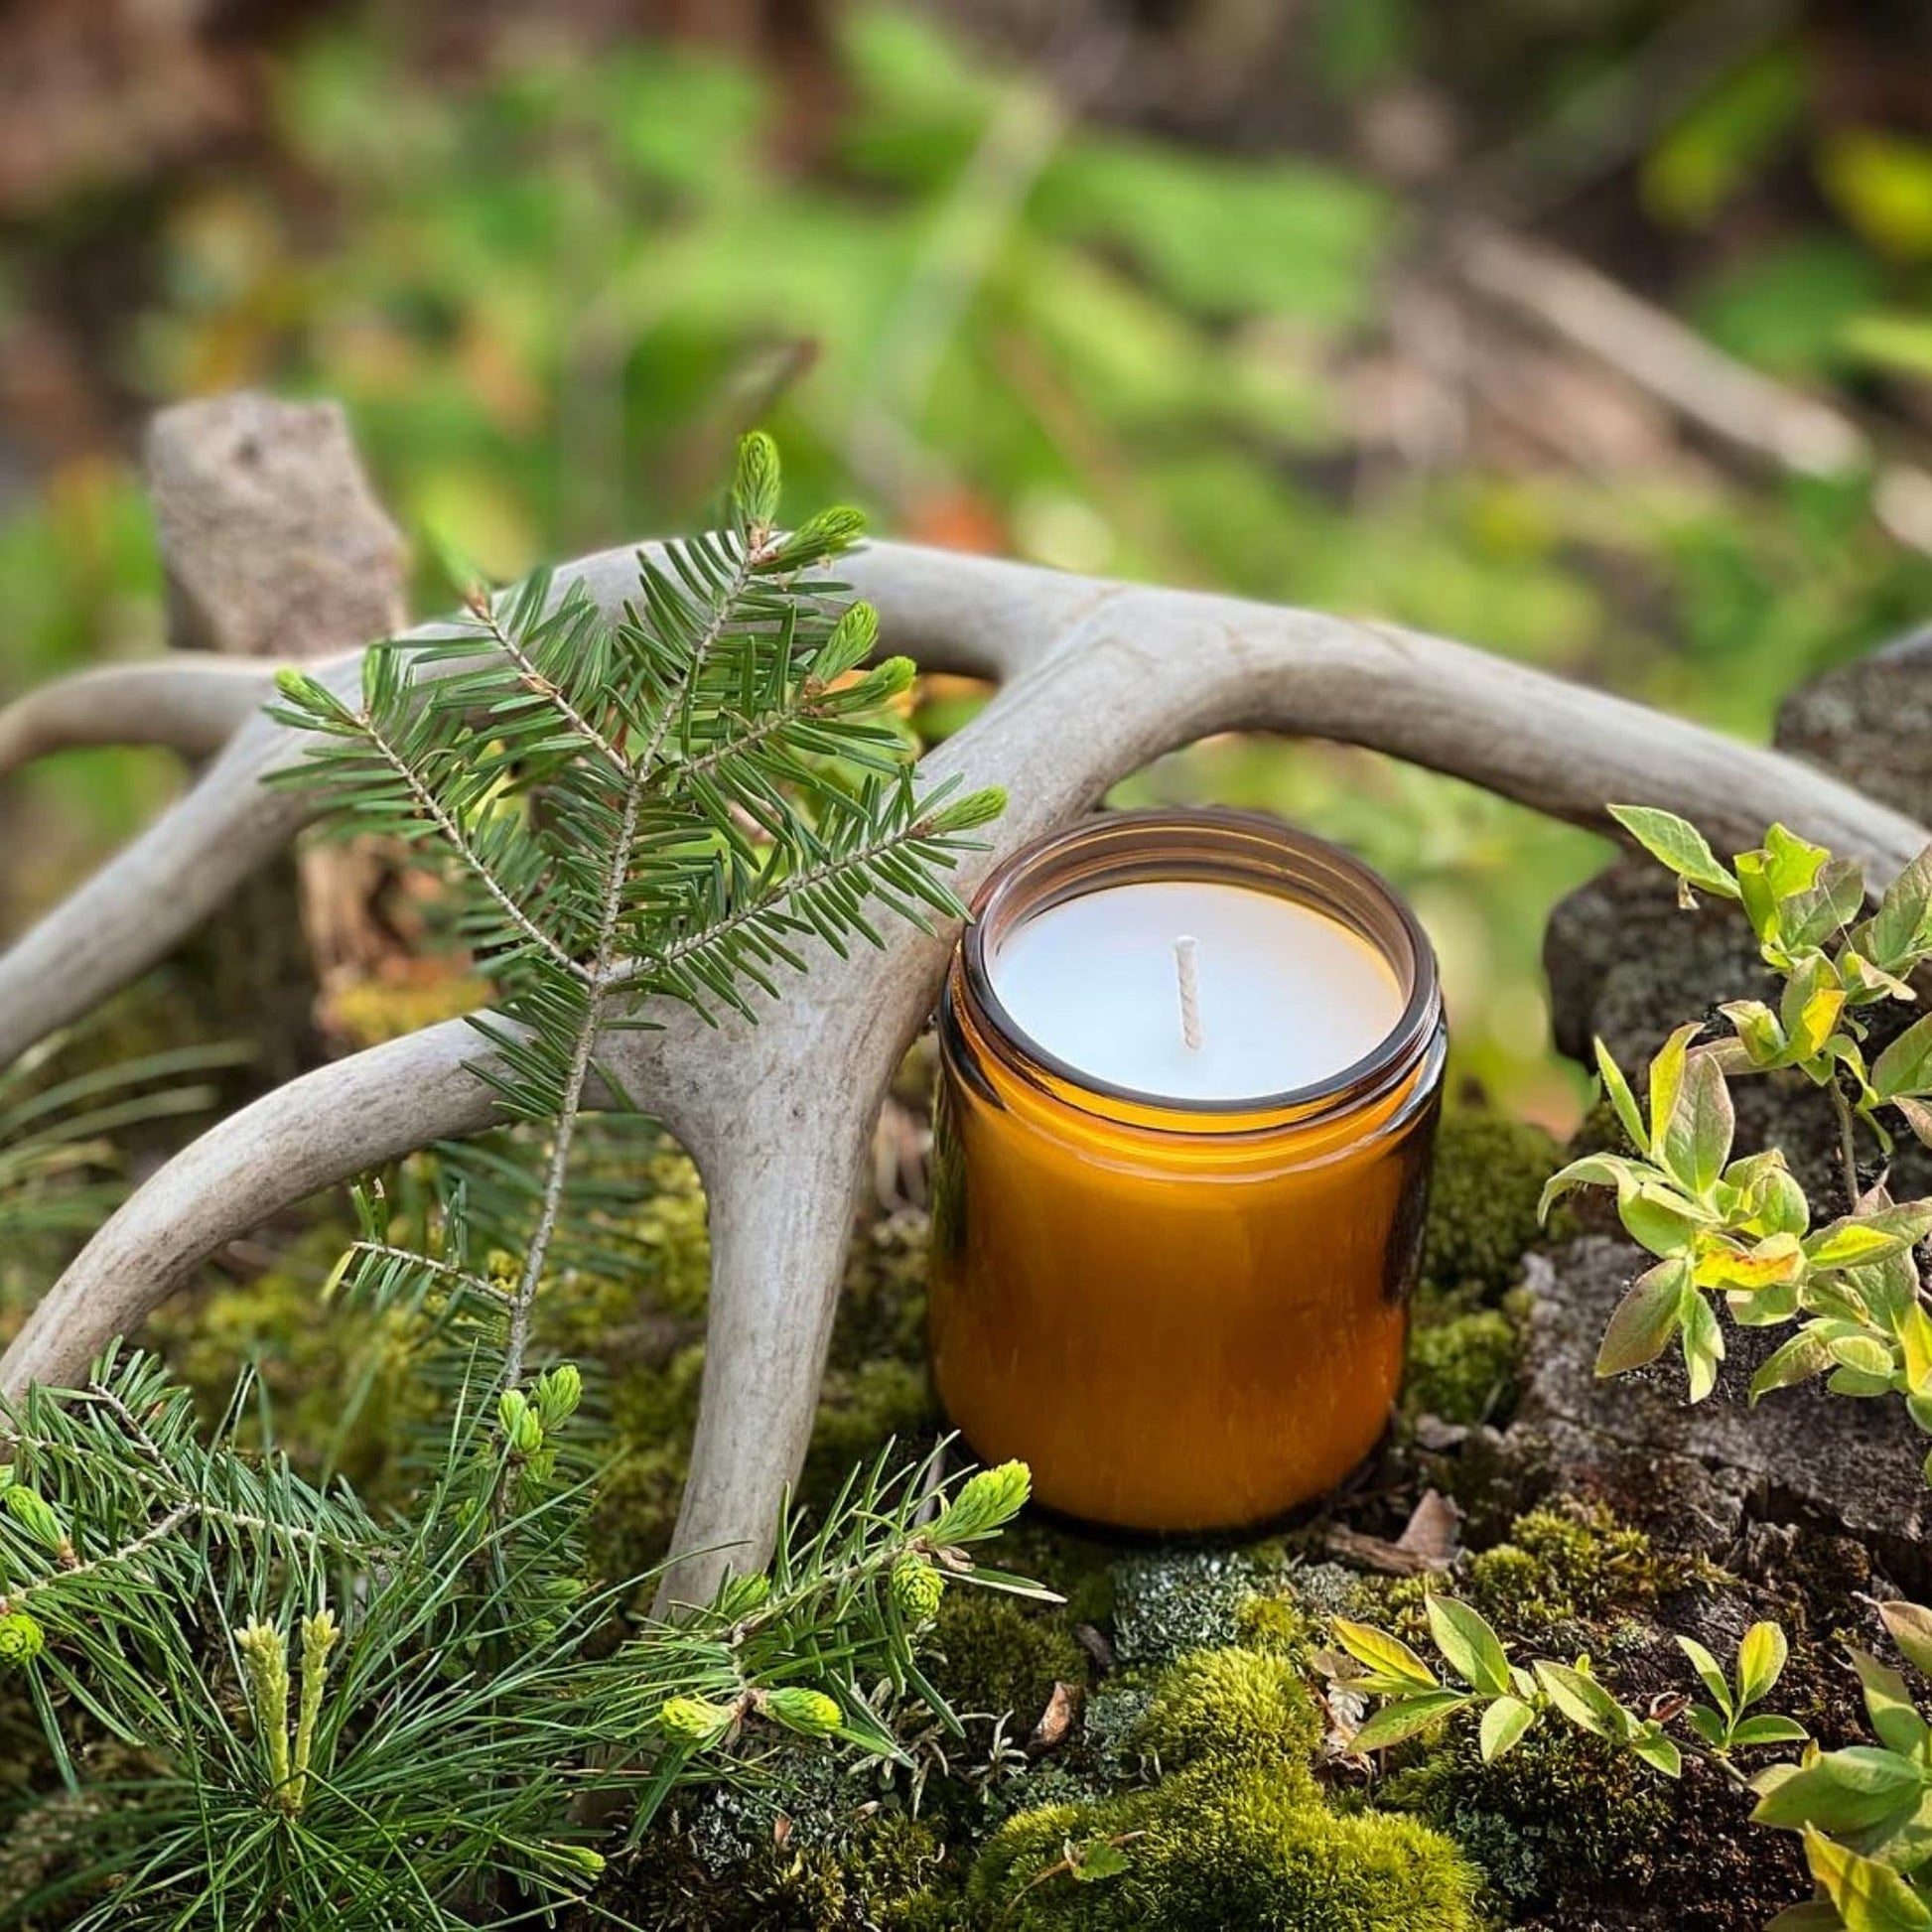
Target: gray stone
<point>1704,1475</point>
<point>1870,721</point>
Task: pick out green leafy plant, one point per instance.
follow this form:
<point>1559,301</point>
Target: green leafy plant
<point>319,1716</point>
<point>1862,1810</point>
<point>1742,1229</point>
<point>1512,1697</point>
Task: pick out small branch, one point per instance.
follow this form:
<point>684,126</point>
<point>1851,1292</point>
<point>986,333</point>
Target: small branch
<point>443,1270</point>
<point>111,1559</point>
<point>572,1098</point>
<point>431,808</point>
<point>513,649</point>
<point>1848,1148</point>
<point>630,972</point>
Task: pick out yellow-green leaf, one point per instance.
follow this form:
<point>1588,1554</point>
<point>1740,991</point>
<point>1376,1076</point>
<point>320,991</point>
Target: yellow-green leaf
<point>1760,1661</point>
<point>1646,1318</point>
<point>1868,1896</point>
<point>1503,1725</point>
<point>1679,845</point>
<point>1388,1656</point>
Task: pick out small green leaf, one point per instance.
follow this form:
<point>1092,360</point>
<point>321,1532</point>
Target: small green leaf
<point>1760,1661</point>
<point>1678,844</point>
<point>1888,1704</point>
<point>1868,1896</point>
<point>1770,1728</point>
<point>1622,1098</point>
<point>1503,1725</point>
<point>1710,1726</point>
<point>1591,1170</point>
<point>1580,1698</point>
<point>1710,1672</point>
<point>1472,1648</point>
<point>1657,1216</point>
<point>1386,1655</point>
<point>1658,1751</point>
<point>1791,864</point>
<point>1403,1718</point>
<point>1896,933</point>
<point>1096,1859</point>
<point>1645,1320</point>
<point>1703,1345</point>
<point>1696,1139</point>
<point>1667,1077</point>
<point>1758,1031</point>
<point>1806,1354</point>
<point>1857,1240</point>
<point>1853,1790</point>
<point>1910,1627</point>
<point>1904,1068</point>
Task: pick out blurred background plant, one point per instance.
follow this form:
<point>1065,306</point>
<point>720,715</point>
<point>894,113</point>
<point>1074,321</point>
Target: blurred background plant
<point>1197,291</point>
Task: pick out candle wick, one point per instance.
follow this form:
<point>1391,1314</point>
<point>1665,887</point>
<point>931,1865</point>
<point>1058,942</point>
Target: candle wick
<point>1187,962</point>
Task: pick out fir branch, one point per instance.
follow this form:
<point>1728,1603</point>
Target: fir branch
<point>459,843</point>
<point>505,640</point>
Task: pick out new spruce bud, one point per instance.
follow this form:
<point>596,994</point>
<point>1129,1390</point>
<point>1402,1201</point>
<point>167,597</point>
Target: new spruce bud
<point>691,1720</point>
<point>916,1589</point>
<point>559,1391</point>
<point>21,1638</point>
<point>756,482</point>
<point>811,1714</point>
<point>523,1426</point>
<point>35,1514</point>
<point>992,1498</point>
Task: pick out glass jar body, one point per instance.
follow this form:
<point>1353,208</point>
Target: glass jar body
<point>1180,1317</point>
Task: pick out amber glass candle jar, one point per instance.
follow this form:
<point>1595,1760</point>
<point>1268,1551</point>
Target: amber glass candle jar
<point>1184,1314</point>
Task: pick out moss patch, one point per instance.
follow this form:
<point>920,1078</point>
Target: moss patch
<point>1239,1834</point>
<point>1488,1178</point>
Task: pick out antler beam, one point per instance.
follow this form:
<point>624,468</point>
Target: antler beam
<point>1098,678</point>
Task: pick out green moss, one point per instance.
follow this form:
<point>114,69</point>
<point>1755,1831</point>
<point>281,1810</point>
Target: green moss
<point>1488,1178</point>
<point>1231,1704</point>
<point>879,1877</point>
<point>861,1409</point>
<point>993,1654</point>
<point>1235,1833</point>
<point>1562,1815</point>
<point>1463,1370</point>
<point>1172,1602</point>
<point>1219,1846</point>
<point>1570,1559</point>
<point>1279,1626</point>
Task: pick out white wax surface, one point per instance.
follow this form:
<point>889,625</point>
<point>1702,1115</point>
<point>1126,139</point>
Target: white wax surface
<point>1287,996</point>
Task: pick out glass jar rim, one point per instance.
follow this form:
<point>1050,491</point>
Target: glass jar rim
<point>1154,845</point>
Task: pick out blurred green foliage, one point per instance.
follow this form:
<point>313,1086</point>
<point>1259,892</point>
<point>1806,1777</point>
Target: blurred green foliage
<point>551,287</point>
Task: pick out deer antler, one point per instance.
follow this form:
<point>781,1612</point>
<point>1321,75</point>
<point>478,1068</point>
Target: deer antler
<point>1097,679</point>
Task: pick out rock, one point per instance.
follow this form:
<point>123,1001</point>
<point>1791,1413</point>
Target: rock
<point>1870,721</point>
<point>1704,1476</point>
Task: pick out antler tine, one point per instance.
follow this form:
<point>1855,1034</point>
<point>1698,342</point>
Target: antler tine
<point>323,1128</point>
<point>969,615</point>
<point>192,704</point>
